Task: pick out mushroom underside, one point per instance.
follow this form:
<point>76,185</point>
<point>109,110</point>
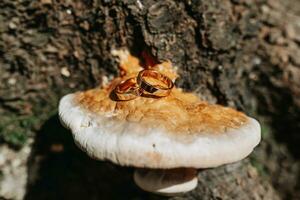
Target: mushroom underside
<point>166,181</point>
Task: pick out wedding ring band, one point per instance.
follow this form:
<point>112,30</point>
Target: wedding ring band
<point>126,90</point>
<point>157,91</point>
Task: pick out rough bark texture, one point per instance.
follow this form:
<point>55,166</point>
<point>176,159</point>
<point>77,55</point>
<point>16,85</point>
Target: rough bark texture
<point>239,53</point>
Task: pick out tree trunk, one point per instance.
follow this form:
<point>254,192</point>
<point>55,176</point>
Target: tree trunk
<point>244,54</point>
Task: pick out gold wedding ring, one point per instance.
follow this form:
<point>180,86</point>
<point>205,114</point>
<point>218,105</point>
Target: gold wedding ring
<point>126,90</point>
<point>149,83</point>
<point>154,90</point>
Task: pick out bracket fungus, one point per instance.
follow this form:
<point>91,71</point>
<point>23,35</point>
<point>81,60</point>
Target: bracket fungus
<point>166,138</point>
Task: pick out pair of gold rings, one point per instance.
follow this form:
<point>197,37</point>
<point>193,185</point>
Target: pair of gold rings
<point>143,85</point>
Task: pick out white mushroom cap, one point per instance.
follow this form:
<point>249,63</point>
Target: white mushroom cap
<point>129,143</point>
<point>166,181</point>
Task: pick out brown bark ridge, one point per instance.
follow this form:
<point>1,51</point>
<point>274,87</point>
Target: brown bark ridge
<point>239,53</point>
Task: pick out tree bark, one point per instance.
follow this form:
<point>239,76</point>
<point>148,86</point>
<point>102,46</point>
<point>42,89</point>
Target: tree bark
<point>243,54</point>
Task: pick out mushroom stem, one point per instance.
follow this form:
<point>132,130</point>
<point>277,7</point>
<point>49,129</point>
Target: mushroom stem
<point>166,181</point>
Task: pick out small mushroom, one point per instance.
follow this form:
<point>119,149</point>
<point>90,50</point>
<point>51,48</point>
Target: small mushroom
<point>165,139</point>
<point>166,181</point>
